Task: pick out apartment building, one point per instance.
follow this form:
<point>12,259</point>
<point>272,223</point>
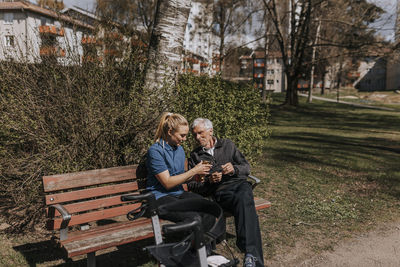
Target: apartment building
<point>30,33</point>
<point>199,43</point>
<point>273,77</point>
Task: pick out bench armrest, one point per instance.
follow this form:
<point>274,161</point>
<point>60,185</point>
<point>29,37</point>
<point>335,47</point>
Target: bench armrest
<point>66,217</point>
<point>254,181</point>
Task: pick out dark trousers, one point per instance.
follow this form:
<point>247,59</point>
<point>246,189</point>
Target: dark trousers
<point>238,200</point>
<point>187,216</point>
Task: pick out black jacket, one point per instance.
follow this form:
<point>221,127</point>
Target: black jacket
<point>225,151</point>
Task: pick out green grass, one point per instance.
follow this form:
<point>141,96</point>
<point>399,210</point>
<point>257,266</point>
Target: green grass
<point>329,170</point>
<point>388,99</point>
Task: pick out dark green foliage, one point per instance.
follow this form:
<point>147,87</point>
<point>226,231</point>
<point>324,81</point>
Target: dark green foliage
<point>235,110</point>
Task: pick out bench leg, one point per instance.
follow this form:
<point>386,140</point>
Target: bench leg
<point>91,259</point>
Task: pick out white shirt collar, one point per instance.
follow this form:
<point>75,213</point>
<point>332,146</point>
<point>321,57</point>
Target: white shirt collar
<point>210,150</point>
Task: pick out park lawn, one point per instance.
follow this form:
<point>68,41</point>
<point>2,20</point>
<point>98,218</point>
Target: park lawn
<point>387,99</point>
<point>330,171</point>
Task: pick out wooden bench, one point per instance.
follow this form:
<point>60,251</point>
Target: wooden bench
<point>86,208</point>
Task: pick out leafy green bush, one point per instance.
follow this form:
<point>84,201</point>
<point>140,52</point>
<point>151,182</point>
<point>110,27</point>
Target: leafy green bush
<point>235,110</point>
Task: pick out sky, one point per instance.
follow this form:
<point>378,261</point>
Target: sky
<point>385,25</point>
<point>85,4</point>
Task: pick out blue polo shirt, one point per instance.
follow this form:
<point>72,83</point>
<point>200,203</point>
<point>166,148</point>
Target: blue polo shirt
<point>162,157</point>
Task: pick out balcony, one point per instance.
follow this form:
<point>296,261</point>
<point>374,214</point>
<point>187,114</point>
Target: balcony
<point>353,74</point>
<point>191,60</point>
<point>259,65</point>
<point>52,51</point>
<point>258,75</point>
<point>190,71</point>
<point>93,59</point>
<point>51,29</point>
<point>203,65</point>
<point>112,52</point>
<point>89,40</point>
<point>113,36</point>
<point>138,43</point>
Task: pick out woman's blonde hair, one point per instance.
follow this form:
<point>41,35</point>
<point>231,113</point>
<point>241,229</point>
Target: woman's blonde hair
<point>169,121</point>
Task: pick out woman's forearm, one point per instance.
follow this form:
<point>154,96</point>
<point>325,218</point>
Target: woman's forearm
<point>169,182</point>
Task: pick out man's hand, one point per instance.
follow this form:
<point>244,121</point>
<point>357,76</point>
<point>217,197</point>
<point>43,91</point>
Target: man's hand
<point>228,169</point>
<point>216,177</point>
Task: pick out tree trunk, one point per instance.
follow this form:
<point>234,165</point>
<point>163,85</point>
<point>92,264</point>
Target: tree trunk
<point>166,43</point>
<point>266,49</point>
<point>323,82</point>
<point>309,99</point>
<point>291,93</point>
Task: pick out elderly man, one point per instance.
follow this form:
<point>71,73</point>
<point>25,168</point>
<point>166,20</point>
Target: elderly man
<point>228,186</point>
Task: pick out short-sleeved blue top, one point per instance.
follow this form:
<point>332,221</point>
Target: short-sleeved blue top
<point>161,157</point>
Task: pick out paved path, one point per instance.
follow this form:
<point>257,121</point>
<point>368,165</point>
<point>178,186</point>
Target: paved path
<point>347,103</point>
<point>377,248</point>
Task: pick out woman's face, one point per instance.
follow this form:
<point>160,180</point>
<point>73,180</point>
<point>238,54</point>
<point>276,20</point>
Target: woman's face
<point>178,136</point>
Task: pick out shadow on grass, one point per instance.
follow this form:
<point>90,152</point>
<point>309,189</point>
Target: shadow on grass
<point>333,116</point>
<point>49,254</point>
<point>341,139</point>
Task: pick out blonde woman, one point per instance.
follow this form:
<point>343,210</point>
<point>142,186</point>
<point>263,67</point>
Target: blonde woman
<point>166,167</point>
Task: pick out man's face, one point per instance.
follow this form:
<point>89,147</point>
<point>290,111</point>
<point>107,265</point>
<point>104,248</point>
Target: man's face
<point>203,136</point>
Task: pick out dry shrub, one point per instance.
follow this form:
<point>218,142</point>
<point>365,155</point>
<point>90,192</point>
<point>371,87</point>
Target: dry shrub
<point>57,119</point>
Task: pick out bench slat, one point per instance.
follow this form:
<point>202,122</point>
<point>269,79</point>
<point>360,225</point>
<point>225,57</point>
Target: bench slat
<point>111,238</point>
<point>103,229</point>
<point>90,192</point>
<point>91,205</point>
<point>91,216</point>
<point>88,178</point>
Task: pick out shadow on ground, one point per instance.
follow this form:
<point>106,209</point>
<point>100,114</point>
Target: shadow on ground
<point>49,254</point>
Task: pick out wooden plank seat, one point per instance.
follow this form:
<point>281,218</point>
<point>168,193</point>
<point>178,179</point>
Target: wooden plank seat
<point>87,211</point>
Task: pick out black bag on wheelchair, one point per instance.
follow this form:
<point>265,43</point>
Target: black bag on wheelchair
<point>191,251</point>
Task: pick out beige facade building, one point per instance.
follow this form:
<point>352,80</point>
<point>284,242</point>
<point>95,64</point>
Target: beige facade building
<point>29,33</point>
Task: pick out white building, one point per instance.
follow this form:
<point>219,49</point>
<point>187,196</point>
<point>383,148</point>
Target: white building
<point>200,42</point>
<point>31,33</point>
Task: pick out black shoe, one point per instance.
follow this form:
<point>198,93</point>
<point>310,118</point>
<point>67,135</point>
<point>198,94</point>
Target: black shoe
<point>249,261</point>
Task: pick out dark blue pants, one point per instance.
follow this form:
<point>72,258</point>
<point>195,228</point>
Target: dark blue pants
<point>238,199</point>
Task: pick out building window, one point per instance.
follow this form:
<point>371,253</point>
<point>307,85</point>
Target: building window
<point>9,41</point>
<point>259,60</point>
<point>8,18</point>
<point>270,71</point>
<point>270,81</point>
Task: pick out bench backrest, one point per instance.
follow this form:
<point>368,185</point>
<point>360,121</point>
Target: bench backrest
<point>90,195</point>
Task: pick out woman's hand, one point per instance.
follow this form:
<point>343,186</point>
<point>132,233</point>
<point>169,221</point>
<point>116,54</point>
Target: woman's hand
<point>202,168</point>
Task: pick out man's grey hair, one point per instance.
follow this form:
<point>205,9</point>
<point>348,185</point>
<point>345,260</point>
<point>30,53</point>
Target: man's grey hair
<point>205,122</point>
